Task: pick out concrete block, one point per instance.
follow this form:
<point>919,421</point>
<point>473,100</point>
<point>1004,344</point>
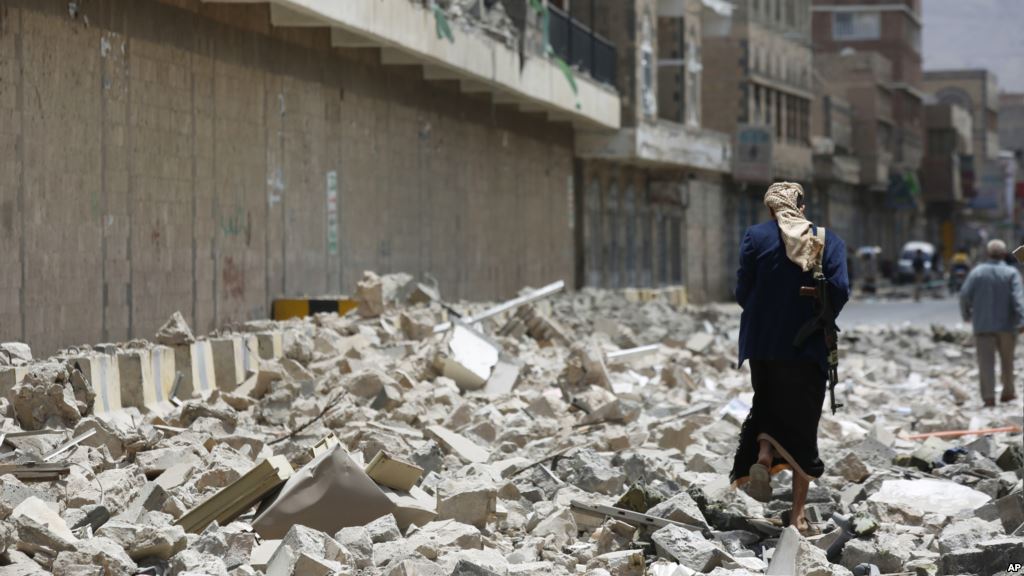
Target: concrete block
<point>102,373</point>
<point>228,361</point>
<point>11,376</point>
<point>162,372</point>
<point>147,376</point>
<point>133,366</point>
<point>250,352</point>
<point>195,362</point>
<point>271,345</point>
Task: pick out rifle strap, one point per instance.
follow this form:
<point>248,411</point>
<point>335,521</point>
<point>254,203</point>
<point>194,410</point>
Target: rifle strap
<point>819,233</point>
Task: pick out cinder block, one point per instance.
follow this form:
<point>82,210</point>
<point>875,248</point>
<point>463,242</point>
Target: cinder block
<point>11,377</point>
<point>102,372</point>
<point>147,376</point>
<point>228,361</point>
<point>195,362</point>
<point>133,366</point>
<point>250,352</point>
<point>162,372</point>
<point>271,345</point>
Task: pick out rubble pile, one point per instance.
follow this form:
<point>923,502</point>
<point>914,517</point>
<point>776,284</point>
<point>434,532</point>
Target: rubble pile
<point>559,434</point>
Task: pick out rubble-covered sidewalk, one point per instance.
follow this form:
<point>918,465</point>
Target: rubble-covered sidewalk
<point>556,434</point>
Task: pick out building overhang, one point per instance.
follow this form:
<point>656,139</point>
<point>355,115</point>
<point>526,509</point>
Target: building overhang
<point>408,33</point>
<point>781,86</point>
<point>903,86</point>
<point>663,144</point>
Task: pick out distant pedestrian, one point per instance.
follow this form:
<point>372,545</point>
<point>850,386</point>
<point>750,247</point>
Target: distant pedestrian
<point>918,264</point>
<point>777,258</point>
<point>992,299</point>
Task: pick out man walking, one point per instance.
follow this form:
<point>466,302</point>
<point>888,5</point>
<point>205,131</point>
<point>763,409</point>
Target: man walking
<point>918,264</point>
<point>992,299</point>
<point>777,258</point>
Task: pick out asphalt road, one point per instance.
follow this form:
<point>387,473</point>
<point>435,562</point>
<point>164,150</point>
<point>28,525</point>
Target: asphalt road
<point>860,311</point>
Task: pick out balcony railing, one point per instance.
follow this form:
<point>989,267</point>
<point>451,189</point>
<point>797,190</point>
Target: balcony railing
<point>580,47</point>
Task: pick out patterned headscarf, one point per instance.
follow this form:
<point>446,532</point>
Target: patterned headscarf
<point>802,247</point>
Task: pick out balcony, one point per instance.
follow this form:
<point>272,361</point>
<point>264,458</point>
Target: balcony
<point>412,34</point>
<point>580,47</point>
<point>874,169</point>
<point>792,161</point>
<point>909,149</point>
<point>940,179</point>
<point>837,168</point>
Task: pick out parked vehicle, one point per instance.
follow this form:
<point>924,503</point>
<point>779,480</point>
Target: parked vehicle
<point>905,263</point>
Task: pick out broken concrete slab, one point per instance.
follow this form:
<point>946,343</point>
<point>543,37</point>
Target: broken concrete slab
<point>470,501</point>
<point>93,553</point>
<point>228,503</point>
<point>470,358</point>
<point>681,508</point>
<point>795,556</point>
<point>699,342</point>
<point>457,444</point>
<point>688,548</point>
<point>15,354</point>
<point>930,495</point>
<point>40,529</point>
<point>621,563</point>
<point>329,493</point>
<point>175,331</point>
<point>144,541</point>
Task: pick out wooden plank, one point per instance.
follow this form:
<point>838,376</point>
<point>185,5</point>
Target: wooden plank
<point>237,497</point>
<point>389,471</point>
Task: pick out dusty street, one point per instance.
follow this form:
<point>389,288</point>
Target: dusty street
<point>868,311</point>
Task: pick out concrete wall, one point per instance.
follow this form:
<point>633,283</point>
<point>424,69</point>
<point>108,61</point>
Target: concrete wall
<point>174,156</point>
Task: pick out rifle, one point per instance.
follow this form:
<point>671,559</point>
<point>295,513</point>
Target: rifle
<point>824,320</point>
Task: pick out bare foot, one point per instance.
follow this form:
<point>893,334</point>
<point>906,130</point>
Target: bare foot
<point>764,456</point>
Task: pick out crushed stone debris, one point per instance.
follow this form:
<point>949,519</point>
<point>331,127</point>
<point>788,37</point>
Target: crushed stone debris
<point>584,433</point>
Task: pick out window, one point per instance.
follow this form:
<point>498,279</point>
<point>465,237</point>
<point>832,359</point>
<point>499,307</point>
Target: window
<point>884,137</point>
<point>915,37</point>
<point>805,121</point>
<point>778,116</point>
<point>856,26</point>
<point>648,97</point>
<point>757,104</point>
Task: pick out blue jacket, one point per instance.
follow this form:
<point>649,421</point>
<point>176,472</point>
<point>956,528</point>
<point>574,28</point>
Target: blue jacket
<point>768,288</point>
<point>992,298</point>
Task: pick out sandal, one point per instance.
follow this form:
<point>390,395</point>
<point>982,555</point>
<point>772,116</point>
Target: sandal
<point>760,485</point>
